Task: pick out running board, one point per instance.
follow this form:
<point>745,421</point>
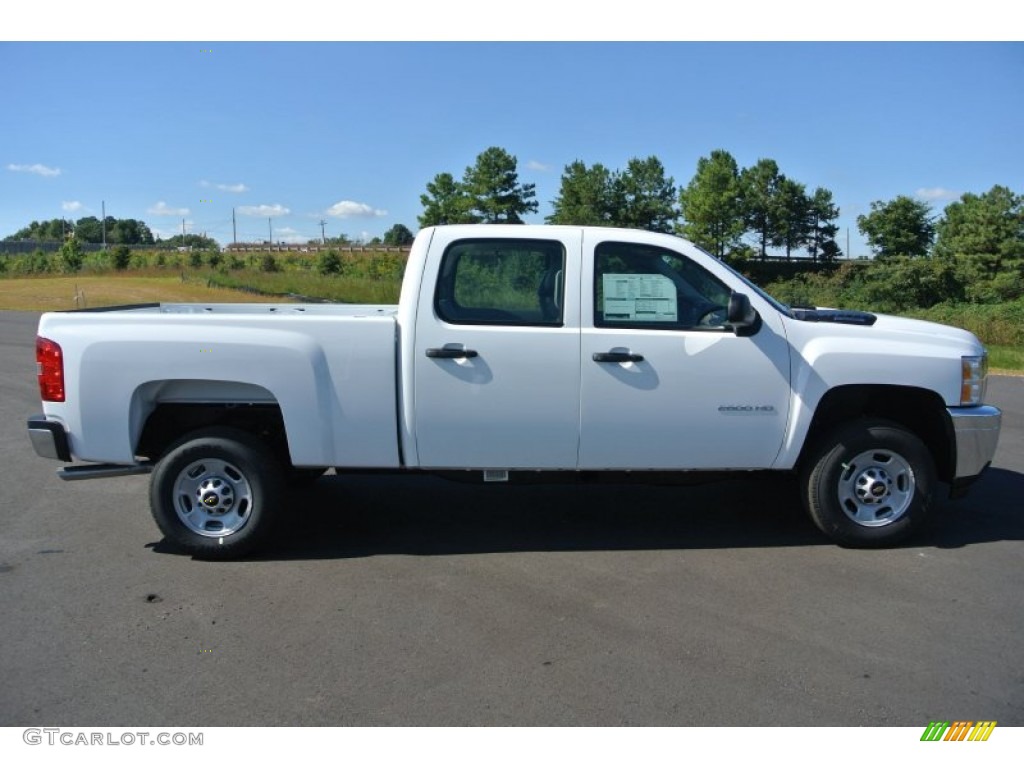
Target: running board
<point>92,471</point>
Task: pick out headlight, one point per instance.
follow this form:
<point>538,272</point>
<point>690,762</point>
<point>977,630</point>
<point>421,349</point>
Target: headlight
<point>973,377</point>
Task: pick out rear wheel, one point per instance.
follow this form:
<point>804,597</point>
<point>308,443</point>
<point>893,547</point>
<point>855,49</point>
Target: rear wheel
<point>215,492</point>
<point>870,484</point>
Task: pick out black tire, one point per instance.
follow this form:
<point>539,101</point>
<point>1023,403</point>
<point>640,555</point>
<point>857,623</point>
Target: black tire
<point>869,484</point>
<point>214,494</point>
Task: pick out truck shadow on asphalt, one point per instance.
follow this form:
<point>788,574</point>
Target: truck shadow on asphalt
<point>354,516</point>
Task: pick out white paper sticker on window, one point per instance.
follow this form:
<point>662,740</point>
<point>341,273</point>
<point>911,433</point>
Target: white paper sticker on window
<point>639,298</point>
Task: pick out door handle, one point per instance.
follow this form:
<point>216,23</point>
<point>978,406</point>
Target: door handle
<point>617,357</point>
<point>450,353</point>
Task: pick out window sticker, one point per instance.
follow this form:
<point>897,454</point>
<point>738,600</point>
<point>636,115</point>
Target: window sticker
<point>639,298</point>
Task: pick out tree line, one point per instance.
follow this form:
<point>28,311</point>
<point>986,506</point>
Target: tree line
<point>88,229</point>
<point>734,213</point>
<point>720,205</point>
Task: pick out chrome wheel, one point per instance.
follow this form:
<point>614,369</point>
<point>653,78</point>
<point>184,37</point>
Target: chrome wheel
<point>876,487</point>
<point>212,497</point>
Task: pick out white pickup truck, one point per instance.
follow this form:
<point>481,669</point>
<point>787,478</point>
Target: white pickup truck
<point>516,350</point>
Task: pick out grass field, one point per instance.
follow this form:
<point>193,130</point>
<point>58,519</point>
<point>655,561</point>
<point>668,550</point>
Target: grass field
<point>56,293</point>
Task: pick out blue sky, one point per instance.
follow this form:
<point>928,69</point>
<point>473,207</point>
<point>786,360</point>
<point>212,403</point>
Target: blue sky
<point>351,132</point>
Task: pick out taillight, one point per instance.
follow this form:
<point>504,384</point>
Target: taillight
<point>50,367</point>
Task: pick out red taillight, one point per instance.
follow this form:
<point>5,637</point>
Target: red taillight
<point>50,367</point>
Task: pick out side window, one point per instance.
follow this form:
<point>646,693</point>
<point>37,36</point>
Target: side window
<point>501,282</point>
<point>644,286</point>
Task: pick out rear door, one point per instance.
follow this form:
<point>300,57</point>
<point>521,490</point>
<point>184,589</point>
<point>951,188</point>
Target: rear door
<point>497,349</point>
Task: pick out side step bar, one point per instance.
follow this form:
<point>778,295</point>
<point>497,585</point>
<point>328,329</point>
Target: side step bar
<point>92,471</point>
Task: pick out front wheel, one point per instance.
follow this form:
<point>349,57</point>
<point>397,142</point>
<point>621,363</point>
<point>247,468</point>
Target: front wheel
<point>215,492</point>
<point>870,484</point>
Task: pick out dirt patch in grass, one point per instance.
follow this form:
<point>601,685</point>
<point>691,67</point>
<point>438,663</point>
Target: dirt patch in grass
<point>57,293</point>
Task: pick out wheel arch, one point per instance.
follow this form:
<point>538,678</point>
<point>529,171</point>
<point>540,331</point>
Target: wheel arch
<point>165,411</point>
<point>921,411</point>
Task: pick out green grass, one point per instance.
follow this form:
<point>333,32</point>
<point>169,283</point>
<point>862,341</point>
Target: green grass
<point>340,288</point>
<point>1003,359</point>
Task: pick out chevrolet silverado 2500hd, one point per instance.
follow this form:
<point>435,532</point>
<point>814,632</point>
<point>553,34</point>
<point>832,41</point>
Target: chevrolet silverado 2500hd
<point>517,348</point>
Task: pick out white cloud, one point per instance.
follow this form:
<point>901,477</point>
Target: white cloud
<point>291,236</point>
<point>36,168</point>
<point>162,209</point>
<point>936,193</point>
<point>533,165</point>
<point>263,210</point>
<point>239,187</point>
<point>72,206</point>
<point>349,209</point>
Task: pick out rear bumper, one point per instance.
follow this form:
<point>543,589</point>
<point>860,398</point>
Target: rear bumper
<point>51,442</point>
<point>976,431</point>
<point>49,438</point>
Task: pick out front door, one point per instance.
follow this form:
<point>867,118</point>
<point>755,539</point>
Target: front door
<point>665,384</point>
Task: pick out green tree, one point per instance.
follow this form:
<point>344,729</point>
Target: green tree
<point>445,202</point>
<point>822,218</point>
<point>200,242</point>
<point>794,213</point>
<point>710,205</point>
<point>399,234</point>
<point>53,230</point>
<point>70,256</point>
<point>585,196</point>
<point>988,227</point>
<point>643,197</point>
<point>328,263</point>
<point>759,195</point>
<point>89,229</point>
<point>495,194</point>
<point>129,232</point>
<point>901,227</point>
<point>121,257</point>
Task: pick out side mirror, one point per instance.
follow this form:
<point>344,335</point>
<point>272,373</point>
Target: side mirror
<point>742,317</point>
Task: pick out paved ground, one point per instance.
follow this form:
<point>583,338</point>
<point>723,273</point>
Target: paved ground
<point>405,601</point>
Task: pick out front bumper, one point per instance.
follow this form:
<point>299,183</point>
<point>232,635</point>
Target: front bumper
<point>976,434</point>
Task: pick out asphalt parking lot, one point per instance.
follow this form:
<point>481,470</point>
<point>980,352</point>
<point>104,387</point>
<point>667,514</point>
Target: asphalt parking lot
<point>419,601</point>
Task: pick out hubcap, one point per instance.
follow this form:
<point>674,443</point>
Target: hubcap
<point>212,498</point>
<point>876,488</point>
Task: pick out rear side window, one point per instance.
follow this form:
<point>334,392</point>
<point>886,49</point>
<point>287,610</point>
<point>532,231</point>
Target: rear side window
<point>502,282</point>
<point>644,286</point>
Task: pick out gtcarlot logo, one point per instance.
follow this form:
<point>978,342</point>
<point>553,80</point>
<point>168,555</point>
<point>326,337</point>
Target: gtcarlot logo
<point>959,730</point>
<point>71,738</point>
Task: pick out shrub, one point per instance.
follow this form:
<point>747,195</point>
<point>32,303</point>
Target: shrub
<point>121,257</point>
<point>329,263</point>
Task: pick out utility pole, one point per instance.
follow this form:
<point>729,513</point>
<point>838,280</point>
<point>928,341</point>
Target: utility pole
<point>183,233</point>
<point>234,228</point>
<point>270,230</point>
<point>323,237</point>
<point>848,254</point>
<point>103,207</point>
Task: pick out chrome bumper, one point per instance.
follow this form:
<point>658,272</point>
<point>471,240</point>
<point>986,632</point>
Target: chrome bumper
<point>51,442</point>
<point>49,439</point>
<point>977,433</point>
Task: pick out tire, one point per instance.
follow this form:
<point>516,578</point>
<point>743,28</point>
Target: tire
<point>214,493</point>
<point>869,484</point>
